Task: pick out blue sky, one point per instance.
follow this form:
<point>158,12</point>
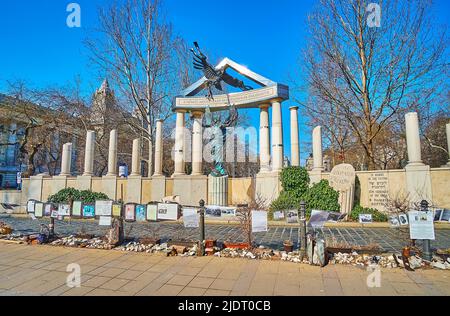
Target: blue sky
<point>265,35</point>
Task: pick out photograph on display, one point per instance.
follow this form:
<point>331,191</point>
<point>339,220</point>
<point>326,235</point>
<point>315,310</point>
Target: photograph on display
<point>88,210</point>
<point>117,210</point>
<point>39,209</point>
<point>228,211</point>
<point>365,218</point>
<point>30,206</point>
<point>152,212</point>
<point>318,218</point>
<point>141,215</point>
<point>49,208</point>
<point>292,216</point>
<point>64,209</point>
<point>213,211</point>
<point>77,209</point>
<point>168,211</point>
<point>394,221</point>
<point>103,208</point>
<point>445,216</point>
<point>438,214</point>
<point>403,220</point>
<point>278,215</point>
<point>130,212</point>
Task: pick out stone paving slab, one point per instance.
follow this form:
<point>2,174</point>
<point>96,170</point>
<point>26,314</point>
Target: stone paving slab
<point>387,238</point>
<point>206,276</point>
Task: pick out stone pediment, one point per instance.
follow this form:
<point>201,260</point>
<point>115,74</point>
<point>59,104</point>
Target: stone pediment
<point>190,100</point>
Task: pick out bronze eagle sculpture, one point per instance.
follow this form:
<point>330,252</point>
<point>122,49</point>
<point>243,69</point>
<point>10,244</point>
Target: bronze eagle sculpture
<point>214,76</point>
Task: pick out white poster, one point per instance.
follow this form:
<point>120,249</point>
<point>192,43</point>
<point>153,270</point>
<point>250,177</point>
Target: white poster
<point>64,210</point>
<point>103,208</point>
<point>105,221</point>
<point>421,225</point>
<point>191,218</point>
<point>259,221</point>
<point>30,206</point>
<point>168,211</point>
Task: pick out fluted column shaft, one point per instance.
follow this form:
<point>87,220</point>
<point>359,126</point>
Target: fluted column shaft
<point>197,144</point>
<point>179,144</point>
<point>277,137</point>
<point>295,149</point>
<point>413,138</point>
<point>136,158</point>
<point>89,154</point>
<point>317,149</point>
<point>264,138</point>
<point>112,154</point>
<point>66,160</point>
<point>158,149</point>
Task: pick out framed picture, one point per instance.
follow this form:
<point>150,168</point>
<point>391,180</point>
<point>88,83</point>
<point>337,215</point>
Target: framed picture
<point>88,210</point>
<point>152,212</point>
<point>445,216</point>
<point>49,208</point>
<point>403,220</point>
<point>63,209</point>
<point>39,210</point>
<point>191,218</point>
<point>117,210</point>
<point>130,212</point>
<point>259,221</point>
<point>438,214</point>
<point>292,216</point>
<point>228,212</point>
<point>213,211</point>
<point>103,208</point>
<point>278,215</point>
<point>141,215</point>
<point>394,221</point>
<point>30,206</point>
<point>365,218</point>
<point>77,208</point>
<point>55,214</point>
<point>168,211</point>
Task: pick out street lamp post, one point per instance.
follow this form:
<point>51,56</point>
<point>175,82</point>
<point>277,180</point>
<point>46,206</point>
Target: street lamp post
<point>426,243</point>
<point>202,227</point>
<point>302,221</point>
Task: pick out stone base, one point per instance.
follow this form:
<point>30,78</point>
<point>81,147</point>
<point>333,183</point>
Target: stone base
<point>418,182</point>
<point>134,189</point>
<point>191,189</point>
<point>84,183</point>
<point>158,188</point>
<point>59,183</point>
<point>268,187</point>
<point>218,190</point>
<point>109,184</point>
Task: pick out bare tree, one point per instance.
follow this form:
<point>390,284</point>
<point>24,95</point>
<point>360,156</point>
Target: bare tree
<point>136,48</point>
<point>370,76</point>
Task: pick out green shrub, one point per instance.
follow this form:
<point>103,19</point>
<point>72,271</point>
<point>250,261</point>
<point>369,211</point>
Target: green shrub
<point>69,195</point>
<point>295,179</point>
<point>321,196</point>
<point>377,216</point>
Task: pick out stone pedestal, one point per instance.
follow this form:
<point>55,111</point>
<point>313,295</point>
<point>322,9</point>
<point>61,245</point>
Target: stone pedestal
<point>218,190</point>
<point>59,183</point>
<point>418,183</point>
<point>134,189</point>
<point>268,187</point>
<point>84,183</point>
<point>109,184</point>
<point>158,188</point>
<point>191,189</point>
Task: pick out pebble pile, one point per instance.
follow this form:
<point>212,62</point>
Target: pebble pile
<point>72,241</point>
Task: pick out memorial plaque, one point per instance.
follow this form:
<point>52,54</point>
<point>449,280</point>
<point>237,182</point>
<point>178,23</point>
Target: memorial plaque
<point>421,225</point>
<point>378,186</point>
<point>342,177</point>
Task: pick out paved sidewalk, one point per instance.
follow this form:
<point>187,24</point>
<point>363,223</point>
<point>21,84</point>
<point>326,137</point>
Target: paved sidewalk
<point>41,270</point>
<point>387,238</point>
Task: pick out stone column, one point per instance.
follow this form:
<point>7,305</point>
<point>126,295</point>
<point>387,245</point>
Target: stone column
<point>413,139</point>
<point>277,137</point>
<point>197,144</point>
<point>264,138</point>
<point>295,151</point>
<point>112,154</point>
<point>448,142</point>
<point>179,145</point>
<point>317,149</point>
<point>66,160</point>
<point>136,158</point>
<point>89,154</point>
<point>158,149</point>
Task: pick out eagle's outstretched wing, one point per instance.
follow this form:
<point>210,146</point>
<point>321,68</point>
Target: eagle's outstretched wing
<point>201,63</point>
<point>235,82</point>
